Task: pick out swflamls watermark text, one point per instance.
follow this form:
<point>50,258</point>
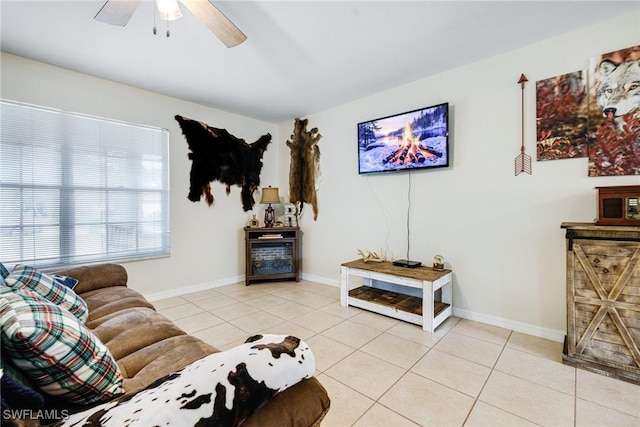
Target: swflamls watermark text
<point>40,414</point>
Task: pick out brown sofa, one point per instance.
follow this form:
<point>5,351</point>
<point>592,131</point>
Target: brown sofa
<point>148,346</point>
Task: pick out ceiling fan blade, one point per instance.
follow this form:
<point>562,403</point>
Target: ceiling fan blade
<point>117,12</point>
<point>216,22</point>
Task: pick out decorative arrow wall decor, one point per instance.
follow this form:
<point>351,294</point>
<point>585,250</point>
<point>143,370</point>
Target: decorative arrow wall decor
<point>523,161</point>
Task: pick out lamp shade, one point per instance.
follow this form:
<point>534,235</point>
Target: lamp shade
<point>270,195</point>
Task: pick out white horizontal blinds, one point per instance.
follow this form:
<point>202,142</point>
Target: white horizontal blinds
<point>78,189</point>
<point>30,174</point>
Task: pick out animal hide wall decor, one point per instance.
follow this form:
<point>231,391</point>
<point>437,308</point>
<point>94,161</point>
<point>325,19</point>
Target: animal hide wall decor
<point>304,171</point>
<point>219,156</point>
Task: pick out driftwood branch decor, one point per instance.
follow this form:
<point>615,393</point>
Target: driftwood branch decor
<point>304,171</point>
<point>219,156</point>
<point>368,256</point>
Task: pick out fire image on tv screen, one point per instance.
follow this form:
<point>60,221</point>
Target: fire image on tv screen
<point>417,139</point>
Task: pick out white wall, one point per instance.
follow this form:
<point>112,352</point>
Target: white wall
<point>499,233</point>
<point>207,244</point>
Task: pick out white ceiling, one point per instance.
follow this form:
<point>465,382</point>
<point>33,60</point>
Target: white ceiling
<point>300,57</point>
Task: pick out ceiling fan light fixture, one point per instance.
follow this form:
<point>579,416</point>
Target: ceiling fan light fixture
<point>118,12</point>
<point>169,10</point>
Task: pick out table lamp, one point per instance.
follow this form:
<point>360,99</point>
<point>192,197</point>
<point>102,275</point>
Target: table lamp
<point>269,195</point>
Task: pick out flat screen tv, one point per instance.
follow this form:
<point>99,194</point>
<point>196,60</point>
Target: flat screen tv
<point>417,139</point>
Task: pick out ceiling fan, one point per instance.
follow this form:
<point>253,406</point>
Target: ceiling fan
<point>118,12</point>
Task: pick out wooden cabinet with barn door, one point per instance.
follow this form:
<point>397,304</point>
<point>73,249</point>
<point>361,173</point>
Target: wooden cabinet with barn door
<point>603,299</point>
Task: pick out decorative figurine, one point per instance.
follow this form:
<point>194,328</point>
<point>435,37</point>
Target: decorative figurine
<point>438,263</point>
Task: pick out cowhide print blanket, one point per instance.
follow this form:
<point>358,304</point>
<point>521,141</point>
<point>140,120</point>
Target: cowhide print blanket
<point>219,156</point>
<point>222,389</point>
<point>304,170</point>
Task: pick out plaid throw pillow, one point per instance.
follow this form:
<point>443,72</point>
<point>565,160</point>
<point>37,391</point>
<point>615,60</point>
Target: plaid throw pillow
<point>25,277</point>
<point>55,350</point>
<point>3,271</point>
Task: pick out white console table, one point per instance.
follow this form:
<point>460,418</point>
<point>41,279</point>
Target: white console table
<point>393,297</point>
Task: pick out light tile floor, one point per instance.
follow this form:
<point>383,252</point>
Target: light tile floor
<point>380,371</point>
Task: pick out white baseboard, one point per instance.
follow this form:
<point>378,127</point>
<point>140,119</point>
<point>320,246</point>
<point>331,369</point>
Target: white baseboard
<point>525,328</point>
<point>195,288</point>
<point>156,296</point>
<point>322,280</point>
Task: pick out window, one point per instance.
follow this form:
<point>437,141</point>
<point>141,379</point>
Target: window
<point>78,189</point>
